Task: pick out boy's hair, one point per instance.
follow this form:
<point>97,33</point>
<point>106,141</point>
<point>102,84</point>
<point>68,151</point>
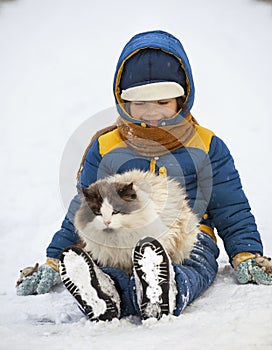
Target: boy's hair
<point>181,103</point>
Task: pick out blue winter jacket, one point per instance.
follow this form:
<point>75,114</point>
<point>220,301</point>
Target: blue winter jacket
<point>204,166</point>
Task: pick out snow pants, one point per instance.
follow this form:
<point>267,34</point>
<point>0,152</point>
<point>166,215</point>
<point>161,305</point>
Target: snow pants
<point>194,276</point>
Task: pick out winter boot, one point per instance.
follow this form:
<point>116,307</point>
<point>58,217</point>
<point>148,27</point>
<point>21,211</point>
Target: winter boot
<point>93,289</point>
<point>154,279</point>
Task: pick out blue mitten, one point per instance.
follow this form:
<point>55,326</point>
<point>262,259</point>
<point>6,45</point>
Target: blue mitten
<point>258,270</point>
<point>37,280</point>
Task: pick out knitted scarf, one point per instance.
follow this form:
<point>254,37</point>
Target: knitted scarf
<point>150,142</point>
<point>156,141</point>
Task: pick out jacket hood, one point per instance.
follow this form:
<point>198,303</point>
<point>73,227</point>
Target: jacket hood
<point>168,44</point>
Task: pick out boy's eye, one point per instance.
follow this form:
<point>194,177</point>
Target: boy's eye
<point>139,103</point>
<point>163,102</point>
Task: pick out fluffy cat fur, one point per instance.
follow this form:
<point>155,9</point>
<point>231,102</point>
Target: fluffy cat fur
<point>117,211</point>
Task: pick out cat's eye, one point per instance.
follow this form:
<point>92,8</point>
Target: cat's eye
<point>116,211</point>
<point>96,212</point>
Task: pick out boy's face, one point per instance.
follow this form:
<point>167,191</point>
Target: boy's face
<point>152,112</point>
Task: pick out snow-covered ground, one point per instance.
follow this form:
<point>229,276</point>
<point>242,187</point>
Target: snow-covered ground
<point>57,60</point>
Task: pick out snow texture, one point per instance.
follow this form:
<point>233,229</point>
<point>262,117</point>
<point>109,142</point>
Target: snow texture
<point>150,264</point>
<point>78,272</point>
<point>56,65</point>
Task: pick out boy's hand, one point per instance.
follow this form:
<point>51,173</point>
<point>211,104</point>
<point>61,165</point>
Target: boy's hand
<point>37,280</point>
<point>258,270</point>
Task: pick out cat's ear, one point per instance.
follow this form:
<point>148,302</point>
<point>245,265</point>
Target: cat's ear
<point>82,191</point>
<point>127,192</point>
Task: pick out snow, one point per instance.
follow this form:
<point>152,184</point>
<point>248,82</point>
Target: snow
<point>152,266</point>
<point>151,261</point>
<point>78,272</point>
<point>56,65</point>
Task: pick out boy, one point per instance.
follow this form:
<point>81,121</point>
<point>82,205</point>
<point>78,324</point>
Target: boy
<point>154,93</point>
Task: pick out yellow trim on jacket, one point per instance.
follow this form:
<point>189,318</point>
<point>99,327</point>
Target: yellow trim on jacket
<point>112,140</point>
<point>208,230</point>
<point>240,257</point>
<point>201,139</point>
<point>54,263</point>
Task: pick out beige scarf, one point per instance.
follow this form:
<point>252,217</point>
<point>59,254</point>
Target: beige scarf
<point>149,142</point>
<point>156,141</point>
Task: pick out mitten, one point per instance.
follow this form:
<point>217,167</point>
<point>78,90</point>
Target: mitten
<point>257,269</point>
<point>37,279</point>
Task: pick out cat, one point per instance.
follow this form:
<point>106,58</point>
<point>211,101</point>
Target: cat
<point>119,210</point>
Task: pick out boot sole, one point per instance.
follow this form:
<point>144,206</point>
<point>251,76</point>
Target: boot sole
<point>83,283</point>
<point>151,271</point>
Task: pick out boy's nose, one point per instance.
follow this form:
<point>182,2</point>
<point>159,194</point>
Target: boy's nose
<point>151,110</point>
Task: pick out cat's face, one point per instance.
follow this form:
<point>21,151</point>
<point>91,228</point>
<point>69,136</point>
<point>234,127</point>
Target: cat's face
<point>110,204</point>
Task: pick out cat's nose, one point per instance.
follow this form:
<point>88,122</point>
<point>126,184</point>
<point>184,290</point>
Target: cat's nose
<point>107,222</point>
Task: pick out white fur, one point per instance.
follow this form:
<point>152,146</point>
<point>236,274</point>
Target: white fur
<point>164,214</point>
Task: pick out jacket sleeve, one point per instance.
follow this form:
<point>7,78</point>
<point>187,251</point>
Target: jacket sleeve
<point>228,208</point>
<point>67,235</point>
